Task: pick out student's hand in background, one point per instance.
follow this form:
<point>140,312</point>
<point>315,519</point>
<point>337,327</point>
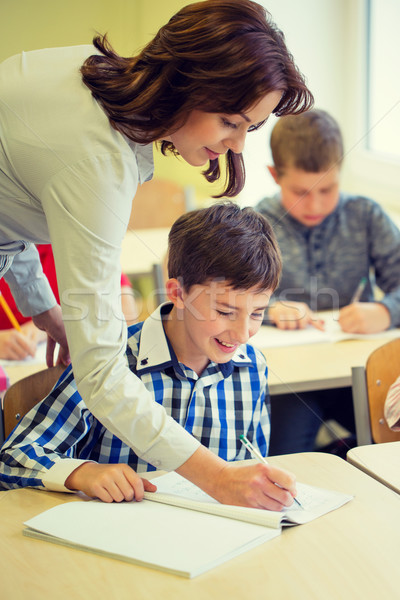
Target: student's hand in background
<point>364,317</point>
<point>293,315</point>
<point>15,345</point>
<point>109,483</point>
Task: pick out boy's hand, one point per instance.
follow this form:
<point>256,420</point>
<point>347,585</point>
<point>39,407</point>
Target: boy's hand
<point>256,486</point>
<point>293,315</point>
<point>364,317</point>
<point>109,483</point>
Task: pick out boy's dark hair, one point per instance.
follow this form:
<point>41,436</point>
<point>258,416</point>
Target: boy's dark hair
<point>311,142</point>
<point>219,56</point>
<point>224,242</point>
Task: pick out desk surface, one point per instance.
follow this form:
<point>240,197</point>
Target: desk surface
<point>290,368</point>
<point>316,366</point>
<point>351,552</point>
<point>17,372</point>
<point>380,461</point>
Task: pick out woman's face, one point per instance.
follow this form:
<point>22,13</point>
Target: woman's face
<point>205,136</point>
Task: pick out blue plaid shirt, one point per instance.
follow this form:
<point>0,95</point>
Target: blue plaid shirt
<point>226,400</point>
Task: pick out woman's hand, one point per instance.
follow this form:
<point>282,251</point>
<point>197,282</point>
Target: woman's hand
<point>255,485</point>
<point>51,322</point>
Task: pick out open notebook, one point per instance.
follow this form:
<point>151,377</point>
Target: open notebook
<point>269,336</point>
<point>178,529</point>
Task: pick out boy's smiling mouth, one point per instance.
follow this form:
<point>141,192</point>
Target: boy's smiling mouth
<point>226,347</point>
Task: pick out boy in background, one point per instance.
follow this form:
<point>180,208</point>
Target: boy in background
<point>330,242</point>
<point>192,355</point>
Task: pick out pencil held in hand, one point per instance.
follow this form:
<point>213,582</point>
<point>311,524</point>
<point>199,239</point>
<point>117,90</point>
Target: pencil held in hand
<point>256,454</point>
<point>9,313</point>
<point>359,291</point>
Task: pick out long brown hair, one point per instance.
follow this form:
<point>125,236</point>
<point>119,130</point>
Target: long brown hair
<point>219,56</point>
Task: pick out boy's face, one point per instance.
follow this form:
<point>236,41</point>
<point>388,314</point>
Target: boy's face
<point>216,319</point>
<point>308,197</point>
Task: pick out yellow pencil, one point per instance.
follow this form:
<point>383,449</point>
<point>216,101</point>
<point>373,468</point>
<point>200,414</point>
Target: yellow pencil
<point>9,314</point>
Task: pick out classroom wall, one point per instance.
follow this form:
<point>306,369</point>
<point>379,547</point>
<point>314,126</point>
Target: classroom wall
<point>315,32</point>
<point>318,32</point>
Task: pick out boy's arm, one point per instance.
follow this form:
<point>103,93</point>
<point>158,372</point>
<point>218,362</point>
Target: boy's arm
<point>38,452</point>
<point>385,258</point>
<point>384,244</point>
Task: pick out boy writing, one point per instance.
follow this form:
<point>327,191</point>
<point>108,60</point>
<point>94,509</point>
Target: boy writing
<point>192,355</point>
<point>330,242</point>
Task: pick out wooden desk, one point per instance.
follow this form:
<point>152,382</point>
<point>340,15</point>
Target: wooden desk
<point>380,461</point>
<point>349,553</point>
<point>15,373</point>
<point>316,366</point>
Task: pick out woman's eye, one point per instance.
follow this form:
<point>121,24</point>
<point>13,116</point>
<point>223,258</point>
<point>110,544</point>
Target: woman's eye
<point>229,124</point>
<point>224,314</point>
<point>257,125</point>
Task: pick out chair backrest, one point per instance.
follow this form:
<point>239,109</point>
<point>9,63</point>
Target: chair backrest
<point>382,369</point>
<point>25,393</point>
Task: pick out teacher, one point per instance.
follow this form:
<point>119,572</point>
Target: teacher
<point>77,127</point>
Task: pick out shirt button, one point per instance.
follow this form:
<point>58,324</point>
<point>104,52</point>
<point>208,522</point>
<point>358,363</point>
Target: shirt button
<point>144,361</point>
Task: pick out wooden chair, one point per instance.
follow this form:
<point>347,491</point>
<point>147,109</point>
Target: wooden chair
<point>370,386</point>
<point>25,393</point>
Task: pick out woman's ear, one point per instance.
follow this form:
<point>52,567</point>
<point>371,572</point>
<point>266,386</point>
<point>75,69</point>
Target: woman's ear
<point>174,291</point>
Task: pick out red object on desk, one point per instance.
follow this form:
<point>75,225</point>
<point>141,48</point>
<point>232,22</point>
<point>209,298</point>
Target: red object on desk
<point>4,380</point>
<point>49,268</point>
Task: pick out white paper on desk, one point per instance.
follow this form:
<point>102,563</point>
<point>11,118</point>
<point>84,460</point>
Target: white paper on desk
<point>183,542</point>
<point>269,336</point>
<point>315,502</point>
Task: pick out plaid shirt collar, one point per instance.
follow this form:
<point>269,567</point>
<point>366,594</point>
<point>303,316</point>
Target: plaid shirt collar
<point>156,352</point>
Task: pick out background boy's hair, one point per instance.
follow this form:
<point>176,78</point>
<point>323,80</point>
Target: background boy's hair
<point>224,242</point>
<point>311,142</point>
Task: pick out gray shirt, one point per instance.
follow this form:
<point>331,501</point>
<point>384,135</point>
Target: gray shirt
<point>323,265</point>
<point>68,177</point>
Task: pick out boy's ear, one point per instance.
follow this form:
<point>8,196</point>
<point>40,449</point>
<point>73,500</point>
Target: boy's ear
<point>174,292</point>
<point>273,173</point>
